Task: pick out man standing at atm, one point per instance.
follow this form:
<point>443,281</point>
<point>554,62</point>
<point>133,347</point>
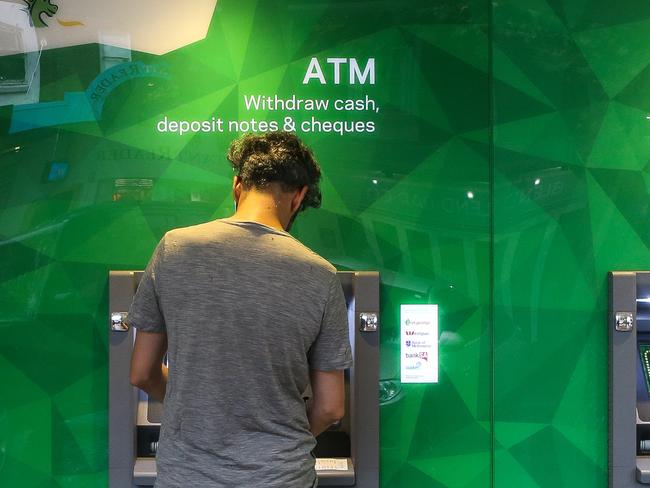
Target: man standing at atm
<point>249,318</point>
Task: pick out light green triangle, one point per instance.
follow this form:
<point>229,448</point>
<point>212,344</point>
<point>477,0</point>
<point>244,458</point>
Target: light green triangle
<point>123,240</point>
<point>37,417</point>
<point>401,428</point>
<point>545,136</point>
<point>236,22</point>
<point>509,434</point>
<point>295,33</point>
<point>508,72</point>
<point>179,171</point>
<point>89,128</point>
<point>58,295</point>
<point>17,471</point>
<point>425,171</point>
<point>446,469</point>
<point>612,148</point>
<point>427,105</point>
<point>20,294</point>
<point>545,18</point>
<point>564,262</point>
<point>43,239</point>
<point>481,479</point>
<point>209,56</point>
<point>66,399</point>
<point>83,429</point>
<point>13,379</point>
<point>332,201</point>
<point>144,135</point>
<point>627,44</point>
<point>636,125</point>
<point>519,135</point>
<point>646,179</point>
<point>575,10</point>
<point>607,226</point>
<point>583,395</point>
<point>466,42</point>
<point>508,472</point>
<point>462,364</point>
<point>482,136</point>
<point>81,480</point>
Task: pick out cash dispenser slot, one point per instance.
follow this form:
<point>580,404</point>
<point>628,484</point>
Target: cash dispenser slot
<point>347,454</point>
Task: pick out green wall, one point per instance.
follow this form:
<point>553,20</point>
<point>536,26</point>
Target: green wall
<point>535,109</point>
<point>570,106</point>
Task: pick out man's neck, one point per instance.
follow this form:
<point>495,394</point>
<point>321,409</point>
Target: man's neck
<point>261,208</point>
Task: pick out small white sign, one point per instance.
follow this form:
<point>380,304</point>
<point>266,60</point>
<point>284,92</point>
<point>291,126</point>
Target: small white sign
<point>331,464</point>
<point>419,345</point>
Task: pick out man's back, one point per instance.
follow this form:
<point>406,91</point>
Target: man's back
<point>248,311</point>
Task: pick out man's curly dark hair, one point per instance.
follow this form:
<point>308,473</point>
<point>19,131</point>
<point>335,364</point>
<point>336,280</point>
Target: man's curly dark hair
<point>276,157</point>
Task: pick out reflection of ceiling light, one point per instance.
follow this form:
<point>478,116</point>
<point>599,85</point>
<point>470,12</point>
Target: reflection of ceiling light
<point>643,300</point>
<point>374,182</point>
<point>17,148</point>
<point>151,26</point>
<point>470,195</point>
<point>537,181</point>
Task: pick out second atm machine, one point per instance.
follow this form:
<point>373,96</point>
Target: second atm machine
<point>629,379</point>
<point>346,455</point>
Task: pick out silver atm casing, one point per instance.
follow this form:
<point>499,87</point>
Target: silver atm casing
<point>627,469</point>
<point>126,403</point>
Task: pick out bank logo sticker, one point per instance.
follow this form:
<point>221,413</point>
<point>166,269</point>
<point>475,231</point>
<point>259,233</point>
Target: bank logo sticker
<point>424,355</point>
<point>416,365</point>
<point>419,341</point>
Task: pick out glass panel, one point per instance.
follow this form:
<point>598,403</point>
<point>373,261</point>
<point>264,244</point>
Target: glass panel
<point>571,204</point>
<point>119,135</point>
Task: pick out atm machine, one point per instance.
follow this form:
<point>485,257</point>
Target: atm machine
<point>629,379</point>
<point>346,455</point>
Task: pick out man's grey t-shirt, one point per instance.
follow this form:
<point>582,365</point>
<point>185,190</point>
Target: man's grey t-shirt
<point>248,311</point>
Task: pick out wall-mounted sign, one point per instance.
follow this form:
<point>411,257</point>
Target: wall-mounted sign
<point>419,348</point>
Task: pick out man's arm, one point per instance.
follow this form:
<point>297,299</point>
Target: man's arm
<point>327,405</point>
<point>147,371</point>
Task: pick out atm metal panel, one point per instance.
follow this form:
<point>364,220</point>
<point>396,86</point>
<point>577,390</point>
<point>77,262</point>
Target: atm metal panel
<point>629,401</point>
<point>129,408</point>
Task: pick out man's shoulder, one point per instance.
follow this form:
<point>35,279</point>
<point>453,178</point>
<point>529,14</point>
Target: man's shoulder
<point>191,232</point>
<point>312,257</point>
<point>219,231</point>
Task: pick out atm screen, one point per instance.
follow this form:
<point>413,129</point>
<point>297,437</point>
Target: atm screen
<point>644,352</point>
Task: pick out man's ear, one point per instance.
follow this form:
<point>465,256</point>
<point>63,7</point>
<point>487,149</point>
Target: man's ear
<point>236,188</point>
<point>298,198</point>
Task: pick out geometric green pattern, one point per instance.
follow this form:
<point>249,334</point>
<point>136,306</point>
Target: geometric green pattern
<point>508,173</point>
<point>394,200</point>
<point>570,203</point>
